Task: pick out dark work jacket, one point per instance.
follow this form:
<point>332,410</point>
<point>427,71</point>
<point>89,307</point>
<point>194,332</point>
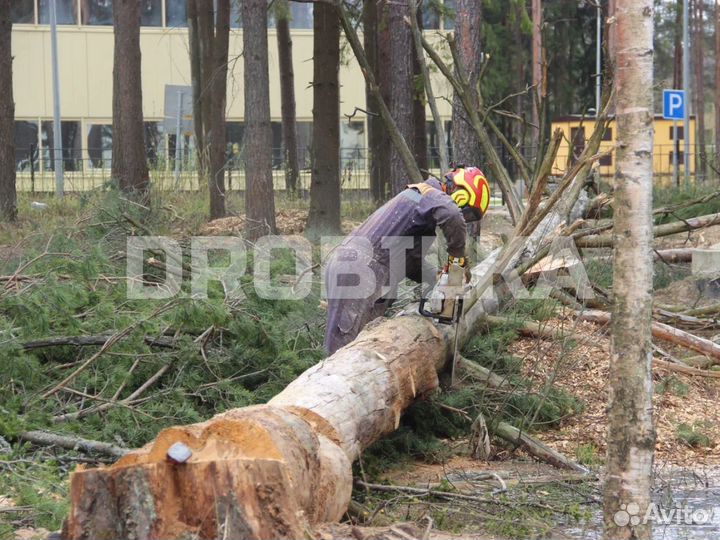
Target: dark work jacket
<point>408,214</point>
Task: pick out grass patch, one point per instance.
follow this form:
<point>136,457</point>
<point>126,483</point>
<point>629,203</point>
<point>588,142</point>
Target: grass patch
<point>672,385</point>
<point>692,435</point>
<point>587,454</point>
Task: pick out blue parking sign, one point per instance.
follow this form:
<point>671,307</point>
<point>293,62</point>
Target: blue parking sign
<point>674,104</point>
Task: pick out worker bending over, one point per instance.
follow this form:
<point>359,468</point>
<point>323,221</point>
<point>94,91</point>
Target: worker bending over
<point>391,245</point>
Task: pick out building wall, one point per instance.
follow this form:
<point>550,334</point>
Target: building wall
<point>86,56</point>
<point>662,150</point>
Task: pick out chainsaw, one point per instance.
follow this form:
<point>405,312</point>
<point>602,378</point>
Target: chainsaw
<point>445,303</point>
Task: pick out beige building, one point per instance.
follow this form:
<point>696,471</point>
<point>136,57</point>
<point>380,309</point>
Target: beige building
<point>85,44</point>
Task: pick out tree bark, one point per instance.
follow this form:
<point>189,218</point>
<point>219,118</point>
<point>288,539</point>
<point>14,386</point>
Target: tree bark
<point>699,69</point>
<point>209,34</point>
<point>420,141</point>
<point>537,68</point>
<point>378,143</point>
<point>129,164</point>
<point>631,438</point>
<point>196,62</point>
<point>8,193</point>
<point>259,194</point>
<point>401,88</point>
<point>468,23</point>
<point>717,81</point>
<point>216,136</point>
<point>287,95</point>
<point>324,214</point>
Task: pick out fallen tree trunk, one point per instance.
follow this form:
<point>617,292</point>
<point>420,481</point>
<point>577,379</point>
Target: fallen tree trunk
<point>268,471</point>
<point>666,333</point>
<point>606,240</point>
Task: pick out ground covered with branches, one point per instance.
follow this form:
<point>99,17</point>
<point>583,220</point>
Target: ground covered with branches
<point>84,361</point>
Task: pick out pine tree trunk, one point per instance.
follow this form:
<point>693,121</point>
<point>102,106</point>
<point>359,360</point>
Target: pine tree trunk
<point>420,142</point>
<point>129,164</point>
<point>630,430</point>
<point>324,215</point>
<point>537,71</point>
<point>287,95</point>
<point>216,136</point>
<point>468,22</point>
<point>8,194</point>
<point>384,80</point>
<point>209,34</point>
<point>259,195</point>
<point>376,144</point>
<point>197,88</point>
<point>699,60</point>
<point>401,88</point>
<point>717,83</point>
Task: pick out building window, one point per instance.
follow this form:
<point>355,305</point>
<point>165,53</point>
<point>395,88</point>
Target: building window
<point>176,13</point>
<point>681,158</point>
<point>352,145</point>
<point>234,132</point>
<point>99,145</point>
<point>301,16</point>
<point>607,134</point>
<point>70,144</point>
<point>154,143</point>
<point>430,15</point>
<point>26,145</point>
<point>151,13</point>
<point>449,15</point>
<point>433,145</point>
<point>680,133</point>
<point>22,11</point>
<point>97,12</point>
<point>304,142</point>
<point>605,161</point>
<point>278,153</point>
<point>235,14</point>
<point>66,11</point>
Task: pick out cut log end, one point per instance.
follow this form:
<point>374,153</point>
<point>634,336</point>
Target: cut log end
<point>247,477</point>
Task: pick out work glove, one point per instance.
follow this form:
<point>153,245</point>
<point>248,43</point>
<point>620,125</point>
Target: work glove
<point>462,262</point>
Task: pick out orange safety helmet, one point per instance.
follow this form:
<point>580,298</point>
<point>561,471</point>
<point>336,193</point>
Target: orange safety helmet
<point>468,187</point>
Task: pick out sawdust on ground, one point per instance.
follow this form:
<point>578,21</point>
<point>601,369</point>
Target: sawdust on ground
<point>580,366</point>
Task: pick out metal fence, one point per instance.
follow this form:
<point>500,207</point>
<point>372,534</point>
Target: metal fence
<point>35,171</point>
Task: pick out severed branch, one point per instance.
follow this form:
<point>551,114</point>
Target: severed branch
<point>44,438</point>
<point>89,341</point>
<point>666,333</point>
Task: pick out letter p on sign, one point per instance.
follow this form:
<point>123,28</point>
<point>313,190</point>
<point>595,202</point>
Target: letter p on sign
<point>674,104</point>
